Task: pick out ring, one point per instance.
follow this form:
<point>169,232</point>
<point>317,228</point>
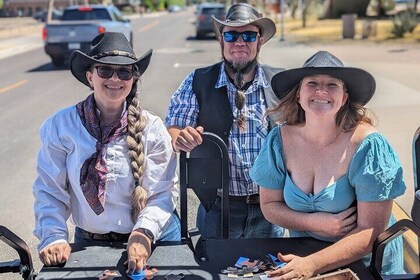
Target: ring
<point>347,229</point>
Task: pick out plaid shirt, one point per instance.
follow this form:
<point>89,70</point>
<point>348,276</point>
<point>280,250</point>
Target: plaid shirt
<point>244,146</point>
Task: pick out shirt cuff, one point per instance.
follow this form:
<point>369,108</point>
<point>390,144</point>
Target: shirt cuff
<point>51,240</point>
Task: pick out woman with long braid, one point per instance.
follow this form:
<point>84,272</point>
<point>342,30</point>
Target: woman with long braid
<point>106,162</point>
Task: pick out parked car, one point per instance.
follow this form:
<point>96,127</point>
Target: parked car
<point>78,26</point>
<point>203,23</point>
<point>174,8</point>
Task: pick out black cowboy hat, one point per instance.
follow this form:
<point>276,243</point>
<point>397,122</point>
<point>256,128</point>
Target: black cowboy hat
<point>242,14</point>
<point>107,48</point>
<point>360,84</point>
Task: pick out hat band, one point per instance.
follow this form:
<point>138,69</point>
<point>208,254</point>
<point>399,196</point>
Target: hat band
<point>114,53</point>
<point>246,21</point>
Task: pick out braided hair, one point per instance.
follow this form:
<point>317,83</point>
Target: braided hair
<point>136,122</point>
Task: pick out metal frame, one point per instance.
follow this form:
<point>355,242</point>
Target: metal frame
<point>23,266</point>
<point>205,170</point>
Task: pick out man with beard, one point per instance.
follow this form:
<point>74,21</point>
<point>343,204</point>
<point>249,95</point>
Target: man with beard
<point>229,99</point>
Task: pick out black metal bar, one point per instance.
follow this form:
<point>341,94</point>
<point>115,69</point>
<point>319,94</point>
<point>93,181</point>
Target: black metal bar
<point>183,195</point>
<point>25,266</point>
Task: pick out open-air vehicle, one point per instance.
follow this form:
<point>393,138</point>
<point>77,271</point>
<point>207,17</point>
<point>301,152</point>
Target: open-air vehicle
<point>191,173</point>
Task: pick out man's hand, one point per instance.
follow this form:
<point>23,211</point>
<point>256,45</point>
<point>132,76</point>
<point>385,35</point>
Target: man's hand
<point>138,251</point>
<point>187,138</point>
<point>55,254</point>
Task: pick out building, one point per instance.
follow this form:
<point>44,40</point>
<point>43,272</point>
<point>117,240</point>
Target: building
<point>28,8</point>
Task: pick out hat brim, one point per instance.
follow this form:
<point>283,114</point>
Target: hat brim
<point>360,84</point>
<point>266,25</point>
<point>80,63</point>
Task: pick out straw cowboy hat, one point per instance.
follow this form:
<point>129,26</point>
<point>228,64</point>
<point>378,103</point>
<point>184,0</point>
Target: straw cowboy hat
<point>242,14</point>
<point>360,84</point>
<point>107,48</point>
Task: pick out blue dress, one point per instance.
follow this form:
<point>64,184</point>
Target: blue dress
<point>375,174</point>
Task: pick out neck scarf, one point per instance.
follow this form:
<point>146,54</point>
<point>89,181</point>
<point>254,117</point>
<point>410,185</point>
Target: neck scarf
<point>94,170</point>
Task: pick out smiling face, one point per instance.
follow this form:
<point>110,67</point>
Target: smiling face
<point>239,52</point>
<point>322,95</point>
<point>112,92</point>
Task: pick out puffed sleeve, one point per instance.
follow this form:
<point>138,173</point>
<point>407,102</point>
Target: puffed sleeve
<point>375,170</point>
<point>269,170</point>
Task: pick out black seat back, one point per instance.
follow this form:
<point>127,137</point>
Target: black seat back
<point>205,170</point>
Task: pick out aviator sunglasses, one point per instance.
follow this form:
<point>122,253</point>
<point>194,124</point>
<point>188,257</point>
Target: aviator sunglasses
<point>247,36</point>
<point>106,72</point>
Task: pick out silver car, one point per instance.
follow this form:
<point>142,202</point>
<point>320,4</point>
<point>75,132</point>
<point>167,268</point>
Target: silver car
<point>203,21</point>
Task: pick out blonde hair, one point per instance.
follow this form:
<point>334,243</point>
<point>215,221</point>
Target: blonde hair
<point>136,122</point>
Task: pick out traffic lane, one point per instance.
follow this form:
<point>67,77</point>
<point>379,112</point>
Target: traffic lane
<point>49,89</point>
<point>31,90</point>
<point>176,53</point>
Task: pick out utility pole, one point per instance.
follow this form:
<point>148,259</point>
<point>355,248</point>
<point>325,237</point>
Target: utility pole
<point>50,8</point>
<point>281,20</point>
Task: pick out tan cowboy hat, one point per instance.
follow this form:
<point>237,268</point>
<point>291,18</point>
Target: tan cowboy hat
<point>242,14</point>
<point>110,48</point>
<point>360,84</point>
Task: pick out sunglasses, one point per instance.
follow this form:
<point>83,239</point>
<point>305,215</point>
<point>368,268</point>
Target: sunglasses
<point>247,36</point>
<point>106,72</point>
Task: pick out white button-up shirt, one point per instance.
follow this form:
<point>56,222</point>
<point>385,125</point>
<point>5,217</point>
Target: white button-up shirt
<point>66,144</point>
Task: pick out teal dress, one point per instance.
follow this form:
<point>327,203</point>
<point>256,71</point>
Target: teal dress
<point>375,174</point>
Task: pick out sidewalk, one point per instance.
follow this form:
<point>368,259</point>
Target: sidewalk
<point>18,35</point>
<point>19,26</point>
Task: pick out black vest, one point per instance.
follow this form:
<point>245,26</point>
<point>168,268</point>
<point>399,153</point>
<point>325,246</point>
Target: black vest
<point>215,113</point>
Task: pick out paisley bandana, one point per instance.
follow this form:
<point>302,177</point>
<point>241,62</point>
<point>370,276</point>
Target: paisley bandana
<point>94,170</point>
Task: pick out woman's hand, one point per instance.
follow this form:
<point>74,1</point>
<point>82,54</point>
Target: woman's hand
<point>298,268</point>
<point>138,251</point>
<point>55,254</point>
<point>336,225</point>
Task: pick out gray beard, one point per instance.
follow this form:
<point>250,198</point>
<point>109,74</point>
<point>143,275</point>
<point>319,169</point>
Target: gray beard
<point>239,70</point>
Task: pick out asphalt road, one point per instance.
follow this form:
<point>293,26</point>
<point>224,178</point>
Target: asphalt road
<point>31,90</point>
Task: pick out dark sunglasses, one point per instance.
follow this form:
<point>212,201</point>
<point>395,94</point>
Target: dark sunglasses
<point>247,36</point>
<point>106,72</point>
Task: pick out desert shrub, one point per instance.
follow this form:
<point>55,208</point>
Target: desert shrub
<point>403,22</point>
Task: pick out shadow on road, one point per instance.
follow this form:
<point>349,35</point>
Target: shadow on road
<point>49,67</point>
<point>207,38</point>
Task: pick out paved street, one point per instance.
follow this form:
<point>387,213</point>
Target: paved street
<point>396,102</point>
